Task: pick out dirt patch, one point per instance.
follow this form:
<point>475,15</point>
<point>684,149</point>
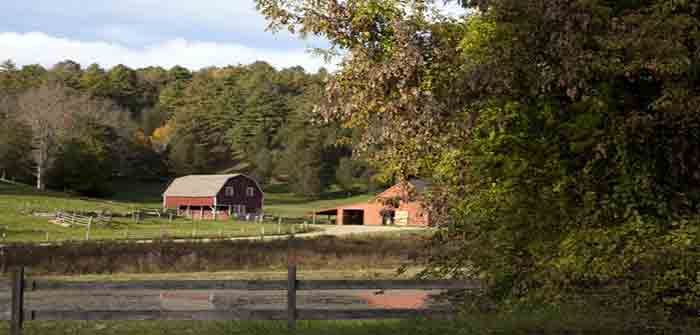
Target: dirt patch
<point>398,300</point>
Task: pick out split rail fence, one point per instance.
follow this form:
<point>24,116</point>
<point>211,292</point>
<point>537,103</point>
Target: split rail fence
<point>20,284</point>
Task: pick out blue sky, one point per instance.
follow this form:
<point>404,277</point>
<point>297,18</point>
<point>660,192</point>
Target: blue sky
<point>138,33</point>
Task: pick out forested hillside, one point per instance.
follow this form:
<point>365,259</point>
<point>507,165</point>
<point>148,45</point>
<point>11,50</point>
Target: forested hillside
<point>76,128</point>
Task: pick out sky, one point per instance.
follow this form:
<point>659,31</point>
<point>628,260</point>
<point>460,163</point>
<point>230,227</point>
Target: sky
<point>140,33</point>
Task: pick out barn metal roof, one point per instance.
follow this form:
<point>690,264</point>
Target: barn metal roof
<point>198,185</point>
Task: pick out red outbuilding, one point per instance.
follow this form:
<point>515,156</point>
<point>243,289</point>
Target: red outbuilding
<point>214,196</point>
<point>400,205</point>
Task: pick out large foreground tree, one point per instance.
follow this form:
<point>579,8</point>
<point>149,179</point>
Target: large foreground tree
<point>563,135</point>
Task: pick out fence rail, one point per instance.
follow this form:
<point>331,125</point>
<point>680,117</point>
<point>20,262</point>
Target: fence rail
<point>20,284</point>
<point>74,219</point>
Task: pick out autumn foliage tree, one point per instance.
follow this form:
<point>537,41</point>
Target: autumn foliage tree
<point>563,135</point>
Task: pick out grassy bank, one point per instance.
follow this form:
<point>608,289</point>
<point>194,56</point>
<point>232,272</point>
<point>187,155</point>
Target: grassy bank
<point>347,253</point>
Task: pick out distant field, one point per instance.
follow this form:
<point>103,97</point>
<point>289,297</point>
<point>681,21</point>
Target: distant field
<point>18,201</point>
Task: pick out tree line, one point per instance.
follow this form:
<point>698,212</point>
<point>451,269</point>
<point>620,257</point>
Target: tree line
<point>75,128</point>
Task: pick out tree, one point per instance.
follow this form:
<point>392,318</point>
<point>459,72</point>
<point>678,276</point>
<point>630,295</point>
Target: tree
<point>345,174</point>
<point>55,112</point>
<point>94,81</point>
<point>84,163</point>
<point>562,134</point>
<point>14,142</point>
<point>263,166</point>
<point>187,156</point>
<point>44,109</point>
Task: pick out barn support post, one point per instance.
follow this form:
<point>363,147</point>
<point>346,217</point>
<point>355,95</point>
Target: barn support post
<point>339,217</point>
<point>17,318</point>
<point>201,213</point>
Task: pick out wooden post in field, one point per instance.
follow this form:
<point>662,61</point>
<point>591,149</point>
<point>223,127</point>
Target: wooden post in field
<point>47,236</point>
<point>87,232</point>
<point>279,225</point>
<point>17,302</point>
<point>262,233</point>
<point>291,286</point>
<point>313,218</point>
<point>3,265</point>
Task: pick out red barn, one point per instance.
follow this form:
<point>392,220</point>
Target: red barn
<point>214,196</point>
<point>399,205</point>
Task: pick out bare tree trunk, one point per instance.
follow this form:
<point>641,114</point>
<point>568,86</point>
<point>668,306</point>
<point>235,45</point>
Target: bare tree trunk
<point>39,177</point>
<point>40,162</point>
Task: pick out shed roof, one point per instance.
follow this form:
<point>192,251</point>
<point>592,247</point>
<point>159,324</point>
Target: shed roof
<point>420,185</point>
<point>202,185</point>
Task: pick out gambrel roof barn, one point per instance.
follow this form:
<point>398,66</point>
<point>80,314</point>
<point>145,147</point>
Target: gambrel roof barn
<point>236,193</point>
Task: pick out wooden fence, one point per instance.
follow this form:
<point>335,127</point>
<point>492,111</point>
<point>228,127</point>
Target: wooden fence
<point>291,313</point>
<point>73,219</point>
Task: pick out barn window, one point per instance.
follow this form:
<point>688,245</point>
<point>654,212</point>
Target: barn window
<point>250,191</point>
<point>229,191</point>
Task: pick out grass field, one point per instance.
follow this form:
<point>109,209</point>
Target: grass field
<point>549,321</point>
<point>18,201</point>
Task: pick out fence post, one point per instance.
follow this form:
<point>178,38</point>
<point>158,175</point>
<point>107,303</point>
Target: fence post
<point>17,301</point>
<point>87,234</point>
<point>3,265</point>
<point>291,286</point>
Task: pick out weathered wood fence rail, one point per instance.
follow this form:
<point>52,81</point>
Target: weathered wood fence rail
<point>20,284</point>
<point>74,219</point>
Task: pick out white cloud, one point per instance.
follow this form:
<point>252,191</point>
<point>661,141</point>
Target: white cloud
<point>40,48</point>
